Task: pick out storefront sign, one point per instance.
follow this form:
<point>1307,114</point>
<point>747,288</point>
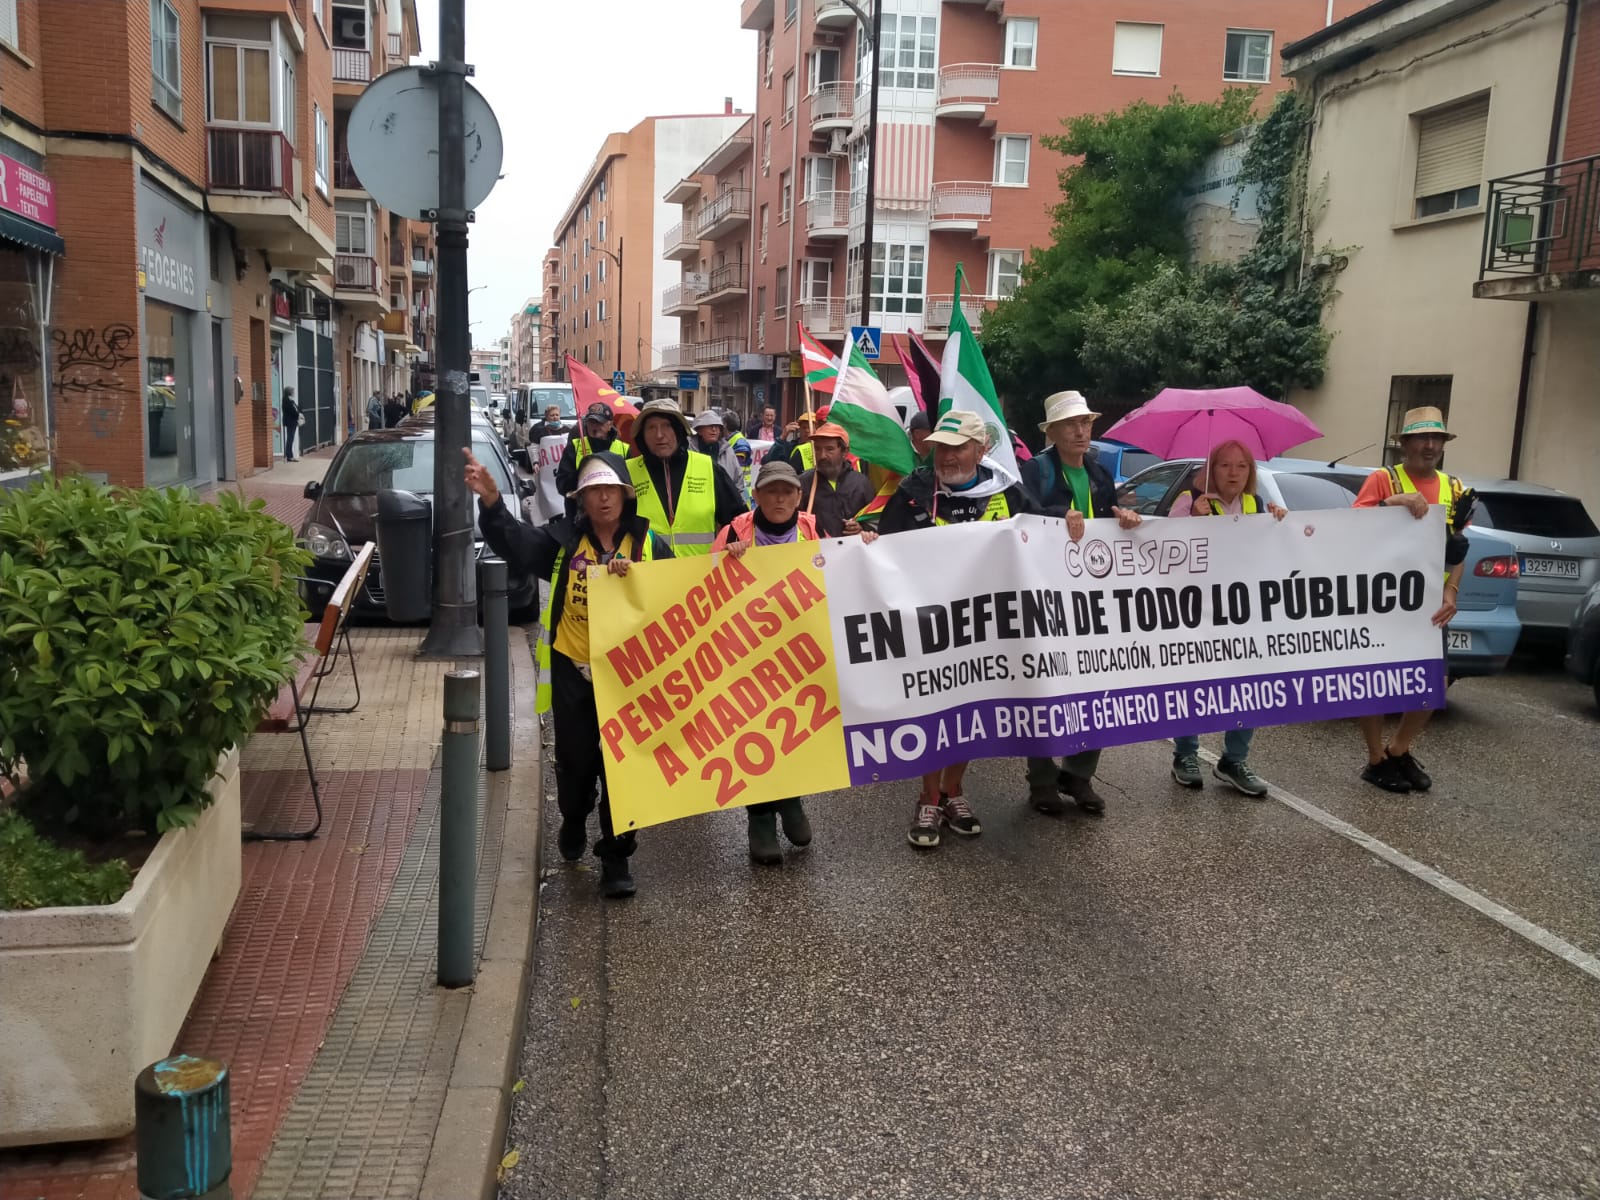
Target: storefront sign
<point>797,367</point>
<point>169,248</point>
<point>27,192</point>
<point>750,362</point>
<point>689,381</point>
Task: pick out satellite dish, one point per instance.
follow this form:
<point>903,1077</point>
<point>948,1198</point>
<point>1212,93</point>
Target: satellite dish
<point>393,140</point>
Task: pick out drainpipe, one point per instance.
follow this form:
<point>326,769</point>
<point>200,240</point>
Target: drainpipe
<point>1552,155</point>
<point>796,183</point>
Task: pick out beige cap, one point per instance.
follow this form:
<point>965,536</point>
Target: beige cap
<point>776,472</point>
<point>1063,406</point>
<point>957,428</point>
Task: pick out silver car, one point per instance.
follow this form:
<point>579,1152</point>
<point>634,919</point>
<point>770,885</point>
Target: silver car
<point>1556,541</point>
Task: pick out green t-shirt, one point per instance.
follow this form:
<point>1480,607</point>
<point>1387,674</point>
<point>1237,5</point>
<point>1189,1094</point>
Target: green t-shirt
<point>1077,480</point>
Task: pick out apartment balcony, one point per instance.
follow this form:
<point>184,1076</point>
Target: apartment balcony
<point>827,214</point>
<point>966,90</point>
<point>253,181</point>
<point>395,51</point>
<point>397,254</point>
<point>936,312</point>
<point>680,244</point>
<point>833,14</point>
<point>250,160</point>
<point>716,352</point>
<point>957,206</point>
<point>755,14</point>
<point>358,284</point>
<point>723,215</point>
<point>352,65</point>
<point>681,299</point>
<point>728,282</point>
<point>421,264</point>
<point>824,316</point>
<point>832,106</point>
<point>679,357</point>
<point>345,178</point>
<point>1541,234</point>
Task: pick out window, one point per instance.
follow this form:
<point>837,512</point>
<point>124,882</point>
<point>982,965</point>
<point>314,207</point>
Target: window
<point>816,279</point>
<point>785,196</point>
<point>316,11</point>
<point>600,235</point>
<point>1450,158</point>
<point>600,310</point>
<point>600,351</point>
<point>322,149</point>
<point>1407,392</point>
<point>1005,272</point>
<point>780,305</point>
<point>909,52</point>
<point>286,92</point>
<point>1247,57</point>
<point>788,96</point>
<point>166,76</point>
<point>1011,160</point>
<point>819,175</point>
<point>1022,42</point>
<point>823,68</point>
<point>586,283</point>
<point>239,57</point>
<point>766,146</point>
<point>898,270</point>
<point>586,247</point>
<point>602,270</point>
<point>600,190</point>
<point>1136,50</point>
<point>586,212</point>
<point>766,60</point>
<point>761,307</point>
<point>351,227</point>
<point>791,9</point>
<point>763,233</point>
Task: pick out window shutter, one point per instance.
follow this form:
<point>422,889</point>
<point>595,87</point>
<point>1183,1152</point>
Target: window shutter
<point>1136,49</point>
<point>1450,147</point>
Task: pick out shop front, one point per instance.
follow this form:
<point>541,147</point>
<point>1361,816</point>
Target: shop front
<point>29,247</point>
<point>179,429</point>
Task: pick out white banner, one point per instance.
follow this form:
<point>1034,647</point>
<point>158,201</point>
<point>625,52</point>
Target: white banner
<point>547,503</point>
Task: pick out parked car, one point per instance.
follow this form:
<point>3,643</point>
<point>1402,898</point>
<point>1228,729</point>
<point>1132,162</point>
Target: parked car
<point>343,514</point>
<point>1483,635</point>
<point>1121,459</point>
<point>1556,541</point>
<point>1583,641</point>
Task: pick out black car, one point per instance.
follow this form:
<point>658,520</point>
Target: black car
<point>342,519</point>
<point>1583,642</point>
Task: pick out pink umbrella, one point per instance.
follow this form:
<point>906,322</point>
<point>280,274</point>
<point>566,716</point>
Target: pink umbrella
<point>1188,422</point>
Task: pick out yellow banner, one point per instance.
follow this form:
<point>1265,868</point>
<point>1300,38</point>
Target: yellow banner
<point>715,684</point>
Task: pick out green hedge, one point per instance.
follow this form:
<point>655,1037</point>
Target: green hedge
<point>35,873</point>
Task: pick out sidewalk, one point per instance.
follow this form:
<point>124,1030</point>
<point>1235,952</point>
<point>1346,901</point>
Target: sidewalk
<point>345,1056</point>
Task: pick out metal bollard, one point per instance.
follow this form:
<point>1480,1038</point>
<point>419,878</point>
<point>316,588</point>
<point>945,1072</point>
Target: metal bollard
<point>496,666</point>
<point>458,828</point>
<point>182,1134</point>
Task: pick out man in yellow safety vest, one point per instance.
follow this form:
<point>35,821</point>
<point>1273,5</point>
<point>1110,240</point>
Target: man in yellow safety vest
<point>684,496</point>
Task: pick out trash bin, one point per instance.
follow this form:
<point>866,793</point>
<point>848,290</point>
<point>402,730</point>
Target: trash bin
<point>405,554</point>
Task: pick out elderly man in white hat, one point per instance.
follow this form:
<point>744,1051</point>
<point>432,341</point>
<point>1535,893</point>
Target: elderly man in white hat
<point>1069,482</point>
<point>1416,483</point>
<point>684,496</point>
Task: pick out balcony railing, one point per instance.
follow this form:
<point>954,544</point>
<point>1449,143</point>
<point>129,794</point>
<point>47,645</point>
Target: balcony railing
<point>716,350</point>
<point>1545,221</point>
<point>397,253</point>
<point>723,214</point>
<point>833,12</point>
<point>828,214</point>
<point>681,296</point>
<point>727,280</point>
<point>355,273</point>
<point>832,106</point>
<point>961,203</point>
<point>676,356</point>
<point>421,264</point>
<point>344,175</point>
<point>968,86</point>
<point>249,160</point>
<point>936,313</point>
<point>823,316</point>
<point>394,47</point>
<point>679,242</point>
<point>352,66</point>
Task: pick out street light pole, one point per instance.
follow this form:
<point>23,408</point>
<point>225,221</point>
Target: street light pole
<point>617,258</point>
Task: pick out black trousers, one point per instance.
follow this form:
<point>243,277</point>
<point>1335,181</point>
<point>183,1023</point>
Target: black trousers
<point>580,758</point>
<point>288,438</point>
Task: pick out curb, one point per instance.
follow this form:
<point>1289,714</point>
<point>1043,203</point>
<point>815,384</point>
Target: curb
<point>470,1137</point>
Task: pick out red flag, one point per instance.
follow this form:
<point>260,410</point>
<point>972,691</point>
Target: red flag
<point>922,371</point>
<point>588,388</point>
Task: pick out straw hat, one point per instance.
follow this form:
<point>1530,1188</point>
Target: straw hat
<point>1425,420</point>
<point>1063,406</point>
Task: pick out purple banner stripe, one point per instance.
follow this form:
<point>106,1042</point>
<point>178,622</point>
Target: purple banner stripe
<point>1020,728</point>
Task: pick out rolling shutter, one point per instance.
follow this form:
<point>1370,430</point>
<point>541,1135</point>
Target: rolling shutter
<point>1450,148</point>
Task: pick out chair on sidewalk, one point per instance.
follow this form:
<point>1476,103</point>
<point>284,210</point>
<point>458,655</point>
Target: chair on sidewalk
<point>298,699</point>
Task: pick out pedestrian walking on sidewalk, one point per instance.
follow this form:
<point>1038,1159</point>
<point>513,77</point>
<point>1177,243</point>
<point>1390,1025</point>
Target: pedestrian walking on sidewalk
<point>291,422</point>
<point>608,534</point>
<point>775,521</point>
<point>1231,474</point>
<point>375,411</point>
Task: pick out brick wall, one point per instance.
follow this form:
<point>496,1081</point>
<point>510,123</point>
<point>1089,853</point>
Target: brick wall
<point>252,308</point>
<point>315,81</point>
<point>1583,105</point>
<point>24,83</point>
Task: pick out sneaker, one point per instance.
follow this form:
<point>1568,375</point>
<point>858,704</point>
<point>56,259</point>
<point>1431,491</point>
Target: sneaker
<point>1387,775</point>
<point>959,816</point>
<point>924,831</point>
<point>796,825</point>
<point>764,847</point>
<point>1049,803</point>
<point>1410,770</point>
<point>616,882</point>
<point>1082,793</point>
<point>570,839</point>
<point>1186,770</point>
<point>1240,776</point>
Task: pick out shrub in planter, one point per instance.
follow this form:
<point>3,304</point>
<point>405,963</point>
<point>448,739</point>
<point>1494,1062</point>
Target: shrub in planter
<point>141,633</point>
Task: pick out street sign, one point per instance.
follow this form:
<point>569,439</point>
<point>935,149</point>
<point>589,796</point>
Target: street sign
<point>619,382</point>
<point>394,143</point>
<point>869,338</point>
<point>689,381</point>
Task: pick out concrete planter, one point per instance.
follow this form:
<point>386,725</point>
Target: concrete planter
<point>90,996</point>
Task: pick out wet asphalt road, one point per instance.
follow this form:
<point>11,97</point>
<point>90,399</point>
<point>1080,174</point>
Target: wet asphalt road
<point>1198,995</point>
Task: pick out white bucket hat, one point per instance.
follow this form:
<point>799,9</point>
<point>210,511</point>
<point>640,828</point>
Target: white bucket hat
<point>1063,406</point>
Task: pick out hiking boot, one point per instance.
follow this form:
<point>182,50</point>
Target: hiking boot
<point>764,847</point>
<point>570,839</point>
<point>796,825</point>
<point>1386,774</point>
<point>959,816</point>
<point>1240,776</point>
<point>616,882</point>
<point>924,831</point>
<point>1082,793</point>
<point>1186,770</point>
<point>1410,770</point>
<point>1049,803</point>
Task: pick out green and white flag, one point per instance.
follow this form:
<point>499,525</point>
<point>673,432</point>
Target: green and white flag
<point>861,405</point>
<point>966,386</point>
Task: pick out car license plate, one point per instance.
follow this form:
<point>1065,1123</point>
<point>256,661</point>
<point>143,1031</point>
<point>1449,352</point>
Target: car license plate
<point>1458,639</point>
<point>1550,568</point>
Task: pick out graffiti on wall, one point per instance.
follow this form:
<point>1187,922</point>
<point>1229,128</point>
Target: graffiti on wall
<point>88,361</point>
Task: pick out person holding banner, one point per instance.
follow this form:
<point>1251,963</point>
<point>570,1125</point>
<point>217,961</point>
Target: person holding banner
<point>957,488</point>
<point>1071,483</point>
<point>607,534</point>
<point>1230,474</point>
<point>833,490</point>
<point>685,497</point>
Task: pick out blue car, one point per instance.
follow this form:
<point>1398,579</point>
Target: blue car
<point>1121,459</point>
<point>1481,638</point>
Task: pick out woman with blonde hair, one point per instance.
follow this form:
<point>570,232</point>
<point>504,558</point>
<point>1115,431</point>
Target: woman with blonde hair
<point>1229,491</point>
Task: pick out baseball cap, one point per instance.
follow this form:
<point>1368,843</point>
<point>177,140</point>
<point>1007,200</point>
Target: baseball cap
<point>957,428</point>
<point>598,411</point>
<point>830,430</point>
<point>776,472</point>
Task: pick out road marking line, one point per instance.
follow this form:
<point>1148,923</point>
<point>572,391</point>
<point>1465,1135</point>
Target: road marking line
<point>1498,913</point>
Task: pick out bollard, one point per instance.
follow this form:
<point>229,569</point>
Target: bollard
<point>496,666</point>
<point>458,828</point>
<point>183,1139</point>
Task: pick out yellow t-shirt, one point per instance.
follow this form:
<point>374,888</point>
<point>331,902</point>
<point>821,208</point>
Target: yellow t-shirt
<point>572,631</point>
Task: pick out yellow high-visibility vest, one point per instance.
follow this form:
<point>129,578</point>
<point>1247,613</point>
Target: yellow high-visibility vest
<point>694,521</point>
<point>642,552</point>
<point>998,510</point>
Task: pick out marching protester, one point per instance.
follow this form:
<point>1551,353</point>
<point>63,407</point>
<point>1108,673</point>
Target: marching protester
<point>775,521</point>
<point>597,432</point>
<point>794,447</point>
<point>551,426</point>
<point>765,427</point>
<point>1069,483</point>
<point>685,497</point>
<point>1416,484</point>
<point>608,533</point>
<point>918,427</point>
<point>709,440</point>
<point>957,488</point>
<point>743,452</point>
<point>833,490</point>
<point>1231,473</point>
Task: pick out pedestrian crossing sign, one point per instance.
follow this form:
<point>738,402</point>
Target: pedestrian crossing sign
<point>869,338</point>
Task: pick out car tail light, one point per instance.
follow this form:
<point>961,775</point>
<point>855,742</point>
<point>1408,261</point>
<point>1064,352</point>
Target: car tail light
<point>1503,566</point>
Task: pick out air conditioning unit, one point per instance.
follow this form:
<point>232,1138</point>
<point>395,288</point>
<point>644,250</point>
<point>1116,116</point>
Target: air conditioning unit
<point>352,28</point>
<point>346,272</point>
<point>838,141</point>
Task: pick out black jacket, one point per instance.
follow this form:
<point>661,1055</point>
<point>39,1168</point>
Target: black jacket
<point>911,507</point>
<point>1042,473</point>
<point>729,502</point>
<point>835,503</point>
<point>291,410</point>
<point>567,468</point>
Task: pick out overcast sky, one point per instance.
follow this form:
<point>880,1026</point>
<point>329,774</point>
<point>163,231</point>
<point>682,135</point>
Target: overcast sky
<point>560,75</point>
